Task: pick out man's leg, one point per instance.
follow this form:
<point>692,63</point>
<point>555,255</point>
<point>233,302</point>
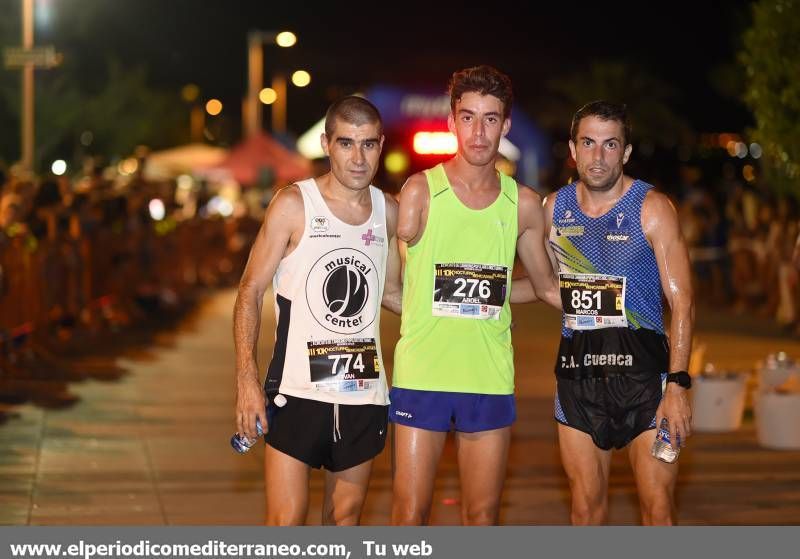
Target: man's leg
<point>416,456</point>
<point>345,493</point>
<point>482,459</point>
<point>286,485</point>
<point>655,481</point>
<point>587,468</point>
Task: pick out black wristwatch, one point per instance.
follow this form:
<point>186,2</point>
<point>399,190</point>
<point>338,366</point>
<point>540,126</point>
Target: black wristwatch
<point>682,378</point>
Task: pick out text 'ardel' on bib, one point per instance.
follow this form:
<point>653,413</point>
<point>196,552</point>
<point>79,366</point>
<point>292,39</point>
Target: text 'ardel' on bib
<point>593,301</point>
<point>463,290</point>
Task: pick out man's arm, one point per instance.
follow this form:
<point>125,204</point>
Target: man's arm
<point>282,226</point>
<point>532,251</point>
<point>522,291</point>
<point>413,209</point>
<point>661,227</point>
<point>393,285</point>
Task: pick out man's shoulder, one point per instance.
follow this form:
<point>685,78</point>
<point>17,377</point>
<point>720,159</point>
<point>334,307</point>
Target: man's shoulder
<point>287,204</point>
<point>415,190</point>
<point>549,200</point>
<point>288,195</point>
<point>659,216</point>
<point>418,182</point>
<point>527,195</point>
<point>655,201</point>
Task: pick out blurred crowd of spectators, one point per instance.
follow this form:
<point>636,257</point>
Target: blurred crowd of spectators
<point>88,258</point>
<point>741,240</point>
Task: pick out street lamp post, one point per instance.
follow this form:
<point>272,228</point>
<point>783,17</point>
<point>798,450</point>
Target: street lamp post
<point>279,106</point>
<point>26,58</point>
<point>27,89</point>
<point>252,115</point>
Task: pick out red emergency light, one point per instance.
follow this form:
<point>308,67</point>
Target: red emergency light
<point>434,143</point>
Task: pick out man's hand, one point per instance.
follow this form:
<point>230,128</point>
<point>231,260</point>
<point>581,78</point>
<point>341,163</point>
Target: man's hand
<point>251,404</point>
<point>676,408</point>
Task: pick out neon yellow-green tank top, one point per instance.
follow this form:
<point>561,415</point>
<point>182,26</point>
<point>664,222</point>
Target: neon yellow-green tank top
<point>455,334</point>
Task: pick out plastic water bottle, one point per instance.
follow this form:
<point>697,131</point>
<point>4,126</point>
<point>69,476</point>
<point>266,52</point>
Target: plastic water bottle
<point>241,443</point>
<point>662,449</point>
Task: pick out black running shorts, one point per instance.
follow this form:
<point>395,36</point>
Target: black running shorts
<point>610,383</point>
<point>307,430</point>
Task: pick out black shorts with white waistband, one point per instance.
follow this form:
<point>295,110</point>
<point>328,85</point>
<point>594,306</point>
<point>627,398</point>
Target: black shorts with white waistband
<point>307,430</point>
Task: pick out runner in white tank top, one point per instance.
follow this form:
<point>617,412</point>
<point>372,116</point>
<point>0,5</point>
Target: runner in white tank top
<point>328,246</point>
<point>327,301</point>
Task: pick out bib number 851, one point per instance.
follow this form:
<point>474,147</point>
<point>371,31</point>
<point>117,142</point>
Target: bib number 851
<point>483,288</point>
<point>585,299</point>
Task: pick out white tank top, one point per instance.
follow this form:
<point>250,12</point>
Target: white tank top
<point>328,295</point>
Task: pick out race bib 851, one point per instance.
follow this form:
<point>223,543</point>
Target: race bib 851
<point>593,301</point>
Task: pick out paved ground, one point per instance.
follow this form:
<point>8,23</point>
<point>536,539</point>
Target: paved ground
<point>141,437</point>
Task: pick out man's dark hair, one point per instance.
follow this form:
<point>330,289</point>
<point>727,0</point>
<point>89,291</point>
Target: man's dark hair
<point>604,110</point>
<point>484,80</point>
<point>352,110</point>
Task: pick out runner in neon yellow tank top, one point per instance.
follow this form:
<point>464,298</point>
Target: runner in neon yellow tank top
<point>463,222</point>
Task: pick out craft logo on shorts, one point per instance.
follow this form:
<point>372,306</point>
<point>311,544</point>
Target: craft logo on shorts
<point>338,291</point>
<point>319,224</point>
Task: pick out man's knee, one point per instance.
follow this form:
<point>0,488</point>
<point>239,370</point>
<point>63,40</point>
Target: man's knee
<point>285,517</point>
<point>480,515</point>
<point>346,513</point>
<point>588,508</point>
<point>407,511</point>
<point>657,510</point>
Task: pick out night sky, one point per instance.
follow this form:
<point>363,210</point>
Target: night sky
<point>348,46</point>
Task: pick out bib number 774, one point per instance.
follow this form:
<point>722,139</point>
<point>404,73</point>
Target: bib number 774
<point>345,360</point>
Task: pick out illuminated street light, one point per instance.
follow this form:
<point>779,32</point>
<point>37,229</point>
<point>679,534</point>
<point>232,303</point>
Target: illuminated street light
<point>251,115</point>
<point>59,167</point>
<point>214,107</point>
<point>157,209</point>
<point>301,78</point>
<point>267,96</point>
<point>286,39</point>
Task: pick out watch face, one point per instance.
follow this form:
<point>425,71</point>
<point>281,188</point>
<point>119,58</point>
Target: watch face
<point>682,379</point>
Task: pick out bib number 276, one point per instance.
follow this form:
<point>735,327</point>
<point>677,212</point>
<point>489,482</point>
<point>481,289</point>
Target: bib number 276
<point>468,287</point>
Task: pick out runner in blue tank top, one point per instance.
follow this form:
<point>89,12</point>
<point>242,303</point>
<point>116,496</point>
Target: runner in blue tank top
<point>616,245</point>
